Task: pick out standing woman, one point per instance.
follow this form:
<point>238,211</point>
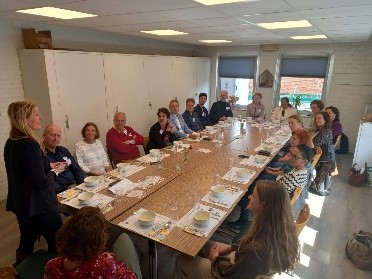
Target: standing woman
<point>90,154</point>
<point>31,192</point>
<point>162,132</point>
<point>271,245</point>
<point>334,115</point>
<point>323,139</point>
<point>256,109</point>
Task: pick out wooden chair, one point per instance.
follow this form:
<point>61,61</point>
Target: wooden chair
<point>317,156</point>
<point>296,194</point>
<point>302,219</point>
<point>145,141</point>
<point>8,272</point>
<point>264,276</point>
<point>338,140</point>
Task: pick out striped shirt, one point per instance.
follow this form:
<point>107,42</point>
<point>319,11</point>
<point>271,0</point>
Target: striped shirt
<point>294,178</point>
<point>91,156</point>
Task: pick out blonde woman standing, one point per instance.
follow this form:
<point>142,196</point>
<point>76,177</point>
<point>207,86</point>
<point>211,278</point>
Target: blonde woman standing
<point>31,194</point>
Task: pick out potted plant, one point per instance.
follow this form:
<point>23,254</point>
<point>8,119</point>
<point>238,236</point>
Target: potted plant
<point>297,101</point>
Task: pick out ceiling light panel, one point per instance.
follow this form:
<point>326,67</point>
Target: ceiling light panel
<point>309,37</point>
<point>56,13</point>
<point>219,2</point>
<point>167,32</point>
<point>214,41</point>
<point>285,24</point>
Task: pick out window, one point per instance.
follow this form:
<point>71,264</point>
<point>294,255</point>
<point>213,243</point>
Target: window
<point>236,75</point>
<point>302,78</point>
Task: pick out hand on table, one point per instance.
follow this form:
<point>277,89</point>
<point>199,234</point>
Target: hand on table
<point>214,252</point>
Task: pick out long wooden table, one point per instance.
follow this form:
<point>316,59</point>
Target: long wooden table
<point>196,176</point>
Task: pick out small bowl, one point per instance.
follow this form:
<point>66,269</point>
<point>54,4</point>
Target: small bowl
<point>267,147</point>
<point>259,158</point>
<point>243,173</point>
<point>146,218</point>
<point>201,218</point>
<point>218,191</point>
<point>177,142</point>
<point>276,121</point>
<point>122,166</point>
<point>249,118</point>
<point>86,198</point>
<point>221,122</point>
<point>154,152</point>
<point>91,181</point>
<point>230,119</point>
<point>209,128</point>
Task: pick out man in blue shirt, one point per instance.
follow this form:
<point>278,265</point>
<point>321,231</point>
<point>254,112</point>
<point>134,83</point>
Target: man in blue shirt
<point>202,111</point>
<point>191,117</point>
<point>221,109</point>
<point>73,174</point>
<point>181,130</point>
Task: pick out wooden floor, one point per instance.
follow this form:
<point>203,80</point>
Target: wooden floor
<point>333,220</point>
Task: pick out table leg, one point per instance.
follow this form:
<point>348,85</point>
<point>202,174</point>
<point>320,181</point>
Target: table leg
<point>153,259</point>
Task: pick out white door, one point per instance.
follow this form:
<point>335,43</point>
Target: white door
<point>160,73</point>
<point>81,92</point>
<point>127,88</point>
<point>184,80</point>
<point>203,78</point>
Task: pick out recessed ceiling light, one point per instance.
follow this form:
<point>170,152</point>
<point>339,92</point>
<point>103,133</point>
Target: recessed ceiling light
<point>167,32</point>
<point>309,37</point>
<point>214,41</point>
<point>285,24</point>
<point>218,2</point>
<point>55,13</point>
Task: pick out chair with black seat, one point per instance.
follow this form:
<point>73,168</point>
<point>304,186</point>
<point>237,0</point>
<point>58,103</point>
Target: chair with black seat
<point>33,266</point>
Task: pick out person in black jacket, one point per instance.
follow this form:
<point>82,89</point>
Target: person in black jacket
<point>221,109</point>
<point>31,193</point>
<point>162,132</point>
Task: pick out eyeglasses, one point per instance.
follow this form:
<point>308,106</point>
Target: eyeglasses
<point>296,157</point>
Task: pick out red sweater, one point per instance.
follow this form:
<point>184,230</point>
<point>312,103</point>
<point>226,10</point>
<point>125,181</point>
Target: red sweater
<point>117,149</point>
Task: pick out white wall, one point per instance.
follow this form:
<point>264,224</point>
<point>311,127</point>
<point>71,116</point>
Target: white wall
<point>350,83</point>
<point>11,88</point>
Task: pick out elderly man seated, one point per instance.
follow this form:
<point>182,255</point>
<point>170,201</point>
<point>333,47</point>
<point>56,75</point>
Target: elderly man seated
<point>181,130</point>
<point>122,140</point>
<point>221,109</point>
<point>191,117</point>
<point>73,174</point>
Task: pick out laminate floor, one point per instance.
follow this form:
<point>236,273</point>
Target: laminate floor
<point>332,222</point>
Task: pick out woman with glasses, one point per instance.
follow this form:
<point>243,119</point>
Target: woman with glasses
<point>271,245</point>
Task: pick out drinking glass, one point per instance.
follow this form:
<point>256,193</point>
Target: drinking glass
<point>217,179</point>
<point>231,162</point>
<point>119,192</point>
<point>196,198</point>
<point>174,211</point>
<point>160,160</point>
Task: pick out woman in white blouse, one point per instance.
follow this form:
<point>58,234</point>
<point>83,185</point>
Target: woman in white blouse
<point>90,154</point>
<point>284,111</point>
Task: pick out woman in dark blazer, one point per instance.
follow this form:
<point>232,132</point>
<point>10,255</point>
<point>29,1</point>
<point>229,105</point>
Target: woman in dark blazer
<point>162,132</point>
<point>31,193</point>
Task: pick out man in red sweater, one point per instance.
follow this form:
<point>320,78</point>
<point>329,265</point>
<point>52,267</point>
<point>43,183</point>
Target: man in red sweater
<point>122,140</point>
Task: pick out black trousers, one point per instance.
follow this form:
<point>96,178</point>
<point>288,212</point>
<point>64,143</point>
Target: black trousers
<point>31,227</point>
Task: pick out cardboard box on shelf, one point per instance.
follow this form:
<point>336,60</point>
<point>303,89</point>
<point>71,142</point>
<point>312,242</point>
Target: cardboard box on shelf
<point>41,39</point>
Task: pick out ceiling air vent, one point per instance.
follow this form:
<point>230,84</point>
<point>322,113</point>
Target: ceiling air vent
<point>269,47</point>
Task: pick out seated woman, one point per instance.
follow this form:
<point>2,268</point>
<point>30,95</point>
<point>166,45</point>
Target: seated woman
<point>323,139</point>
<point>162,132</point>
<point>279,167</point>
<point>295,122</point>
<point>298,176</point>
<point>90,154</point>
<point>334,115</point>
<point>284,111</point>
<point>256,109</point>
<point>81,243</point>
<point>271,245</point>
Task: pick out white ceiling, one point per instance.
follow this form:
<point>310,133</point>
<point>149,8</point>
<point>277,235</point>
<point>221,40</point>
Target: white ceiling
<point>339,20</point>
